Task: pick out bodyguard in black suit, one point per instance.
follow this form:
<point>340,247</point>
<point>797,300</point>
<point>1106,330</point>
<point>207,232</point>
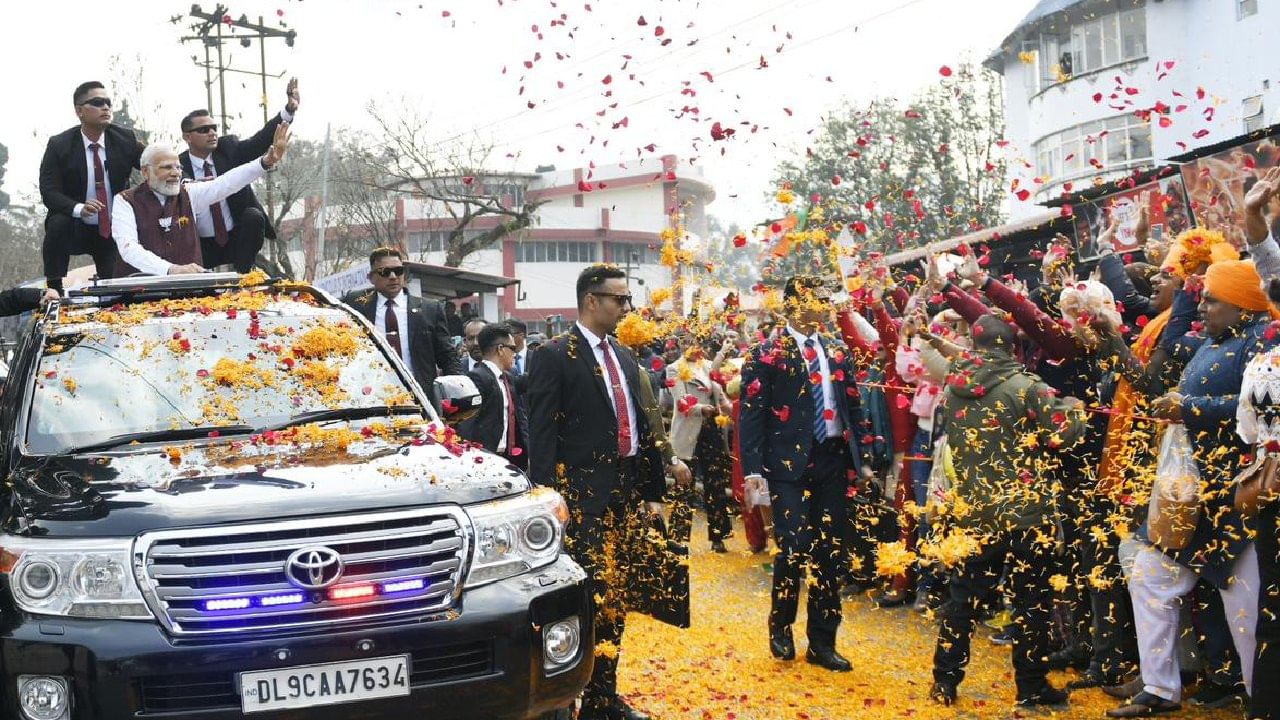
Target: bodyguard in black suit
<point>232,231</point>
<point>82,169</point>
<point>801,425</point>
<point>415,328</point>
<point>502,425</point>
<point>591,440</point>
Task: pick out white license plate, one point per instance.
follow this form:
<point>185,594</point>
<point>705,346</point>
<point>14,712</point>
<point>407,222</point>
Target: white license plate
<point>328,684</point>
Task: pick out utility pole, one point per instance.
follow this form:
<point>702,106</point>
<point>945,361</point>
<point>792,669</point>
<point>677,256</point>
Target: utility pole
<point>207,29</point>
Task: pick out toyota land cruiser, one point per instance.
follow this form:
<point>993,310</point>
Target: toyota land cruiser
<point>227,497</point>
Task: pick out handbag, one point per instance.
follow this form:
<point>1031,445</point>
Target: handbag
<point>1175,494</point>
<point>1258,485</point>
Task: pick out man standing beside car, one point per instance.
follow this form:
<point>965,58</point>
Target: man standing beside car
<point>415,328</point>
<point>591,439</point>
<point>231,231</point>
<point>502,426</point>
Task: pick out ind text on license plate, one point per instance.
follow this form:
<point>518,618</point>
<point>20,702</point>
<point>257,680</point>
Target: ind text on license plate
<point>328,684</point>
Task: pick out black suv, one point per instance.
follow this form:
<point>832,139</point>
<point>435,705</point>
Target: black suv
<point>226,497</point>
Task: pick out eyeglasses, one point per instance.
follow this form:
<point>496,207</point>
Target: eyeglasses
<point>387,272</point>
<point>98,102</point>
<point>512,348</point>
<point>205,129</point>
<point>621,299</point>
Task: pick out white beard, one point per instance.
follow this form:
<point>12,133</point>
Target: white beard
<point>166,188</point>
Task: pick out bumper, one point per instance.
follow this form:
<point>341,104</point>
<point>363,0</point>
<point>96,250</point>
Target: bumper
<point>484,660</point>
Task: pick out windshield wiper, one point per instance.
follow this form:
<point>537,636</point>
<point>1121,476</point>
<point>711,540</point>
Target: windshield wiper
<point>333,414</point>
<point>189,433</point>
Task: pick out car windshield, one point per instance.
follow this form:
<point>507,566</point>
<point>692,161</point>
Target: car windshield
<point>177,365</point>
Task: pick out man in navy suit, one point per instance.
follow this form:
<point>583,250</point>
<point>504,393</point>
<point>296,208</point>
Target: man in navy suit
<point>82,169</point>
<point>800,426</point>
<point>233,230</point>
<point>502,426</point>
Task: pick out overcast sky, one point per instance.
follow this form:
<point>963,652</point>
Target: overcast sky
<point>462,62</point>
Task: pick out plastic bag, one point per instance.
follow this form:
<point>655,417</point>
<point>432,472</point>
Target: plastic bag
<point>1175,494</point>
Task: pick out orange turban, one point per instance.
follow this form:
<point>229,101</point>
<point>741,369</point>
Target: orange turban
<point>1237,282</point>
<point>1197,247</point>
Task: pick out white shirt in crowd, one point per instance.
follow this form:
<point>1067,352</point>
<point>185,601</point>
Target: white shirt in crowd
<point>834,429</point>
<point>594,341</point>
<point>402,321</point>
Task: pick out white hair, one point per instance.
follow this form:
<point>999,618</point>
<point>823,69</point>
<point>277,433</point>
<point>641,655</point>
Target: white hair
<point>154,149</point>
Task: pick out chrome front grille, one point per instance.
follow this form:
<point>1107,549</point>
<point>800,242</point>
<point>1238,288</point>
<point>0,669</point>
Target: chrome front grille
<point>182,571</point>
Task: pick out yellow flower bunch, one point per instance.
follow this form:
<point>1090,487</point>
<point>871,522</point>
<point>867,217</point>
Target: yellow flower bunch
<point>635,331</point>
<point>659,296</point>
<point>893,558</point>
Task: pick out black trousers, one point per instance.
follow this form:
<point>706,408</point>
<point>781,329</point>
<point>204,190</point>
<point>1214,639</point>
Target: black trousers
<point>712,465</point>
<point>1030,564</point>
<point>243,242</point>
<point>1265,703</point>
<point>65,236</point>
<point>807,521</point>
<point>599,543</point>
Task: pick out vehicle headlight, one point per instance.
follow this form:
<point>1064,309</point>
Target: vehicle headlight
<point>75,578</point>
<point>516,535</point>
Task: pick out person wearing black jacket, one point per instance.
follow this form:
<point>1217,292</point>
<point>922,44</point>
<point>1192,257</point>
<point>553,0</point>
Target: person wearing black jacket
<point>801,427</point>
<point>424,345</point>
<point>81,170</point>
<point>502,425</point>
<point>590,438</point>
<point>233,230</point>
<point>16,301</point>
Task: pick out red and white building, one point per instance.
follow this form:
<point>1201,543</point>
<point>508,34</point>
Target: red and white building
<point>610,214</point>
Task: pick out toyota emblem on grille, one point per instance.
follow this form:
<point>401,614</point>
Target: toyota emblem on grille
<point>313,568</point>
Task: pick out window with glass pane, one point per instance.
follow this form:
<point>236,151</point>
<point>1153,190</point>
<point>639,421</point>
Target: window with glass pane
<point>1139,142</point>
<point>1252,114</point>
<point>1245,8</point>
<point>1111,40</point>
<point>1133,34</point>
<point>539,252</point>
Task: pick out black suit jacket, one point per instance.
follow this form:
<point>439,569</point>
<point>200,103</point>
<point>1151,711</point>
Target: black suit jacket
<point>64,172</point>
<point>232,152</point>
<point>486,427</point>
<point>429,345</point>
<point>572,424</point>
<point>778,413</point>
<point>19,300</point>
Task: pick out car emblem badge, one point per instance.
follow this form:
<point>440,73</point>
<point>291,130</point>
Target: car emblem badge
<point>313,568</point>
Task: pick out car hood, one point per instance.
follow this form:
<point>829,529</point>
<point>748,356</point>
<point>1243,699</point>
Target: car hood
<point>155,487</point>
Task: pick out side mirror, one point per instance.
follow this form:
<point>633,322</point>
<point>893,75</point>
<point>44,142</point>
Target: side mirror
<point>455,398</point>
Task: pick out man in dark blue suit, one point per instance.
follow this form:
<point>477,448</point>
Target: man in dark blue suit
<point>800,428</point>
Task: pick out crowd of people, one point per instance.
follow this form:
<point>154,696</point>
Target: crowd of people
<point>1094,458</point>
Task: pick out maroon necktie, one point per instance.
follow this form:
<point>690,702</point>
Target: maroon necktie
<point>100,191</point>
<point>511,415</point>
<point>219,224</point>
<point>392,326</point>
<point>619,402</point>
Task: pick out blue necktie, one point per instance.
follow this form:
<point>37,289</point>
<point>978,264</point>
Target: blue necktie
<point>819,398</point>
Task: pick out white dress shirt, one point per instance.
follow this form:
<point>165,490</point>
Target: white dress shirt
<point>124,224</point>
<point>204,219</point>
<point>594,341</point>
<point>506,403</point>
<point>91,192</point>
<point>834,429</point>
<point>402,321</point>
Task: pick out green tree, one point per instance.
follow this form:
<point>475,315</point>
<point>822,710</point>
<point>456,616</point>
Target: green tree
<point>904,175</point>
<point>4,160</point>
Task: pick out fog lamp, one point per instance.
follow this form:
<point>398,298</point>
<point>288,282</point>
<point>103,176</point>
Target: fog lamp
<point>44,697</point>
<point>560,642</point>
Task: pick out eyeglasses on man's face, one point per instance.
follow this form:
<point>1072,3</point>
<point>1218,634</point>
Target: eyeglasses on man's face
<point>98,102</point>
<point>387,272</point>
<point>204,129</point>
<point>512,348</point>
<point>623,299</point>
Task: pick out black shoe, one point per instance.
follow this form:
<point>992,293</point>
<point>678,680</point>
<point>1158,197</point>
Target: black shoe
<point>781,644</point>
<point>828,658</point>
<point>1144,704</point>
<point>1076,657</point>
<point>718,546</point>
<point>620,710</point>
<point>1003,637</point>
<point>893,598</point>
<point>943,694</point>
<point>1048,695</point>
<point>1213,695</point>
<point>1091,679</point>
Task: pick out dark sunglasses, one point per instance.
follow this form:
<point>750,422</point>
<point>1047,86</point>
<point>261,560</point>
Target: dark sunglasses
<point>389,271</point>
<point>512,348</point>
<point>617,297</point>
<point>205,129</point>
<point>98,102</point>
